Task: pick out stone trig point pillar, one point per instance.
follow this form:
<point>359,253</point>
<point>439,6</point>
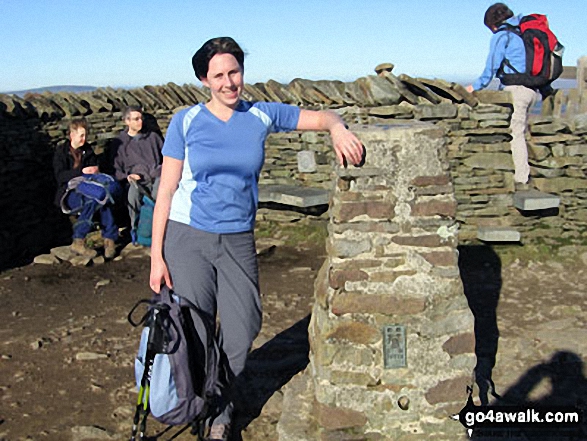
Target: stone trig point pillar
<point>392,344</point>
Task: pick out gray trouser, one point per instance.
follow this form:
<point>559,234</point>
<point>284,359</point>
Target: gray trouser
<point>218,273</point>
<point>135,199</point>
<point>523,99</point>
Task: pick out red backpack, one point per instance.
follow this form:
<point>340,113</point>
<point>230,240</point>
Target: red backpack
<point>544,53</point>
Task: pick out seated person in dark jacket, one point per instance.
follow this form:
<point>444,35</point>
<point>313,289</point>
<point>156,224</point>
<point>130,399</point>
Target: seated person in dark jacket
<point>75,158</point>
<point>137,161</point>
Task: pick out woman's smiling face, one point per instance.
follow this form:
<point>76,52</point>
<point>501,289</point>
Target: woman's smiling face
<point>224,79</point>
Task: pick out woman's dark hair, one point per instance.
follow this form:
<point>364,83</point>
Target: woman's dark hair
<point>219,45</point>
<point>496,14</point>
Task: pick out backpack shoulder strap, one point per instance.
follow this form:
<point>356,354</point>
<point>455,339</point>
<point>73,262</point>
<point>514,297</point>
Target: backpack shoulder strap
<point>510,28</point>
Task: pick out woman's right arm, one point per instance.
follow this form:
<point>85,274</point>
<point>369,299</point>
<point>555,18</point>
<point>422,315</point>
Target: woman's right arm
<point>170,176</point>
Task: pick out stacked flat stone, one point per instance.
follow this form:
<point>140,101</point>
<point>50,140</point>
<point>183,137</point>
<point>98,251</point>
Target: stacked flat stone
<point>370,91</point>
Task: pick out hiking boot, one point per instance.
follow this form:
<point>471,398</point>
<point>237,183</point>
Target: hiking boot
<point>79,247</point>
<point>109,249</point>
<point>219,432</point>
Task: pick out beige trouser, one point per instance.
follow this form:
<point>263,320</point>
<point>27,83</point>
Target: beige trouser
<point>523,98</point>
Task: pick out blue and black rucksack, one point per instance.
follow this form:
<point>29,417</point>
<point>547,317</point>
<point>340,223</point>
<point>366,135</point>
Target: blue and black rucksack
<point>176,368</point>
<point>98,187</point>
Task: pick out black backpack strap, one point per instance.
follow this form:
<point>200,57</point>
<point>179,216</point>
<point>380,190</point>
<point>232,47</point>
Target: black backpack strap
<point>505,62</point>
<point>510,28</point>
<point>143,319</point>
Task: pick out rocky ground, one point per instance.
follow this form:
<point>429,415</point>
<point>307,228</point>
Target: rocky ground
<point>67,350</point>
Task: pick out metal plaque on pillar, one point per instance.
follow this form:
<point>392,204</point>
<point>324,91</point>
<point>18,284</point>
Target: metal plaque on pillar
<point>394,347</point>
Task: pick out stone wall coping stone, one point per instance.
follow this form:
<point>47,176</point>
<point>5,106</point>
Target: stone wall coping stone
<point>369,91</point>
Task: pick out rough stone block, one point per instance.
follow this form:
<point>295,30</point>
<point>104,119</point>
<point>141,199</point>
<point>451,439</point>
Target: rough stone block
<point>558,185</point>
<point>80,261</point>
<point>389,276</point>
<point>434,190</point>
<point>321,290</point>
<point>390,111</point>
<point>354,332</point>
<point>306,161</point>
<point>358,264</point>
<point>535,200</point>
<point>447,391</point>
<point>559,162</point>
<point>46,259</point>
<point>441,258</point>
<point>350,248</point>
<point>293,195</point>
<point>346,212</point>
<point>339,277</point>
<point>344,355</point>
<point>538,152</point>
<point>424,181</point>
<point>381,90</point>
<point>344,377</point>
<point>439,111</point>
<point>63,253</point>
<point>498,234</point>
<point>435,208</point>
<point>460,344</point>
<point>349,196</point>
<point>359,303</point>
<point>335,418</point>
<point>497,161</point>
<point>426,240</point>
<point>494,97</point>
<point>366,227</point>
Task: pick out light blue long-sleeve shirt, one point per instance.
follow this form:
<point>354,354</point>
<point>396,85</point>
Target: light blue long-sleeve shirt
<point>503,45</point>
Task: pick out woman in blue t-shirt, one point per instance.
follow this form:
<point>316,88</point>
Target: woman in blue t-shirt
<point>203,245</point>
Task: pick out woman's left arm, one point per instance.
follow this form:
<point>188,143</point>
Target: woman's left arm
<point>345,143</point>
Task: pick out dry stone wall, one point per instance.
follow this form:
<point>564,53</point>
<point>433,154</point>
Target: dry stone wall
<point>476,127</point>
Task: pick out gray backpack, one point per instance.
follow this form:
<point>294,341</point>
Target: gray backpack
<point>176,368</point>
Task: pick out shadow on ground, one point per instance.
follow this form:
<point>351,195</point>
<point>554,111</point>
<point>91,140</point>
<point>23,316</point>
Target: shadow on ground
<point>480,269</point>
<point>269,368</point>
<point>568,394</point>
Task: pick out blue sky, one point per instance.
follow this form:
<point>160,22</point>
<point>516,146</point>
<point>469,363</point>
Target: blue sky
<point>134,43</point>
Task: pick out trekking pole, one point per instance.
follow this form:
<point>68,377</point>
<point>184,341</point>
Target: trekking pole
<point>154,346</point>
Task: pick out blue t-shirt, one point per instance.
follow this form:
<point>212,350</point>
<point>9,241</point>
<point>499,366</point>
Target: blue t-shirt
<point>218,189</point>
